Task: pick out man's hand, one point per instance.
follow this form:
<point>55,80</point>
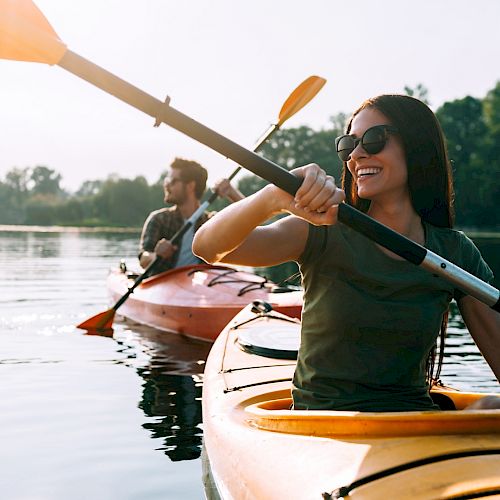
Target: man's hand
<point>165,249</point>
<point>225,189</point>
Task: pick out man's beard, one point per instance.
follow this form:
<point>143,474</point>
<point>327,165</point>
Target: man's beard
<point>173,199</point>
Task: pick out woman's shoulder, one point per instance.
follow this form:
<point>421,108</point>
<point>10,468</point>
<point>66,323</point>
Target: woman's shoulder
<point>456,246</point>
<point>338,238</point>
<point>446,236</point>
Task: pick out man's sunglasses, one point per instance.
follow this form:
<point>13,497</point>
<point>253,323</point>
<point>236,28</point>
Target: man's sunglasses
<point>171,181</point>
<point>372,141</point>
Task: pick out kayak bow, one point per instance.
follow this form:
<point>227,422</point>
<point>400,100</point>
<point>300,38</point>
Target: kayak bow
<point>198,301</point>
<point>258,448</point>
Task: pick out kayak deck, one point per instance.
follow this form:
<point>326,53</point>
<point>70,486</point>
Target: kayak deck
<point>197,301</point>
<point>259,448</point>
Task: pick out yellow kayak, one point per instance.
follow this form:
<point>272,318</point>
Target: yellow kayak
<point>257,448</point>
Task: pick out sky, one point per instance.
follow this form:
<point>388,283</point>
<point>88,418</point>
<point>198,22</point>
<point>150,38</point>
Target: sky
<point>230,65</point>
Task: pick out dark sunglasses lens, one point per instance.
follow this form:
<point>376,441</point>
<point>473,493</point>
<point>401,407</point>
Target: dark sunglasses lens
<point>345,146</point>
<point>374,140</point>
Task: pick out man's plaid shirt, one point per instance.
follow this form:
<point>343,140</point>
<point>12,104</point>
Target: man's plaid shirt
<point>164,223</point>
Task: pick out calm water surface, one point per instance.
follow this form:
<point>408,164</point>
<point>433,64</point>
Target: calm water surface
<point>85,416</point>
<point>108,418</point>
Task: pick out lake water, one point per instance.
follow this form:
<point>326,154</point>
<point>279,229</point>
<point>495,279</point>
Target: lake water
<point>109,418</point>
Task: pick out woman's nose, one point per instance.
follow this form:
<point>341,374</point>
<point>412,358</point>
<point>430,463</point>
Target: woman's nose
<point>358,152</point>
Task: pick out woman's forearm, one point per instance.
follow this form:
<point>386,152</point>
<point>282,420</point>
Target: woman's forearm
<point>228,229</point>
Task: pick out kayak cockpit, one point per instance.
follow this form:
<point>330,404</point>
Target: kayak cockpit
<point>275,415</point>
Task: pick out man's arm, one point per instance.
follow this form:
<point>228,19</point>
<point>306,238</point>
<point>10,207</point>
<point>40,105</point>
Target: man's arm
<point>226,190</point>
<point>152,244</point>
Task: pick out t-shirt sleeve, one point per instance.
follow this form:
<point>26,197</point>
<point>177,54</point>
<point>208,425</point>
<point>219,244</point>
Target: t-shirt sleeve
<point>315,244</point>
<point>472,262</point>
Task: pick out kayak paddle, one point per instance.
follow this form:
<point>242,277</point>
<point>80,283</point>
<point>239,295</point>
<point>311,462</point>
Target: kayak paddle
<point>26,35</point>
<point>295,102</point>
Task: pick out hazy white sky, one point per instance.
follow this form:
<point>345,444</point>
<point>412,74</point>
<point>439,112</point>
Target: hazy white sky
<point>230,65</point>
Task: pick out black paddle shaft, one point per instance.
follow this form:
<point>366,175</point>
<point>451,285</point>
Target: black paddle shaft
<point>164,113</point>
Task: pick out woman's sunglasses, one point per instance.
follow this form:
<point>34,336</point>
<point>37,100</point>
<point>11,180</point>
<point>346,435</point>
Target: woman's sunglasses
<point>372,141</point>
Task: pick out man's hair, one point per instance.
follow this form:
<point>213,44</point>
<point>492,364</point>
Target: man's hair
<point>191,171</point>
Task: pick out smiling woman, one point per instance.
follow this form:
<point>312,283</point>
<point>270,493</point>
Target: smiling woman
<point>365,307</point>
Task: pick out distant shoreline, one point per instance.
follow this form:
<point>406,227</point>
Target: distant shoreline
<point>66,229</point>
<point>472,233</point>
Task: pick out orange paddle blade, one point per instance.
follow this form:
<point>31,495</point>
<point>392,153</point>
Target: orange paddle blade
<point>300,97</point>
<point>101,321</point>
<point>26,35</point>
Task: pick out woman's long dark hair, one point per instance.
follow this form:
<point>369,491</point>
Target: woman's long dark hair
<point>430,179</point>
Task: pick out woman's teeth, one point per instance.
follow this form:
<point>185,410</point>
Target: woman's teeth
<point>368,171</point>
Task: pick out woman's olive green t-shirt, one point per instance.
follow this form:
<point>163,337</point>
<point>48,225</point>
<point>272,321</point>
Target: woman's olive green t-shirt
<point>369,321</point>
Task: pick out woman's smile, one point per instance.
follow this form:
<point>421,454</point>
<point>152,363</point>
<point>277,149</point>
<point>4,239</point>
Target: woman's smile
<point>367,172</point>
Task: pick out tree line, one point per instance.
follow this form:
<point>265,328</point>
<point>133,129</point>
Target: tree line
<point>33,195</point>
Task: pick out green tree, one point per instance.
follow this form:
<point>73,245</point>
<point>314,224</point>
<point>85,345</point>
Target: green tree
<point>17,179</point>
<point>70,212</point>
<point>123,202</point>
<point>491,156</point>
<point>45,181</point>
<point>491,105</point>
<point>11,208</point>
<point>13,195</point>
<point>339,123</point>
<point>466,131</point>
<point>41,209</point>
<point>419,92</point>
<point>89,188</point>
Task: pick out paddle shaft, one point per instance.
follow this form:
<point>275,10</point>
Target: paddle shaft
<point>277,175</point>
<point>177,237</point>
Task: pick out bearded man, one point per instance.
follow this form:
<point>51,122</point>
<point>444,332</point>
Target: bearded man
<point>183,189</point>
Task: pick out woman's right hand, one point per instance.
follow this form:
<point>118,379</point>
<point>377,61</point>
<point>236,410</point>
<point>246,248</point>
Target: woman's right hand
<point>316,200</point>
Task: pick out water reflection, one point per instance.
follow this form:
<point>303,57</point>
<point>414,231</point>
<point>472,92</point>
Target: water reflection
<point>175,401</point>
<point>172,369</point>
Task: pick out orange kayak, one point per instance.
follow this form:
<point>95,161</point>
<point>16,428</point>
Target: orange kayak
<point>197,301</point>
<point>257,447</point>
